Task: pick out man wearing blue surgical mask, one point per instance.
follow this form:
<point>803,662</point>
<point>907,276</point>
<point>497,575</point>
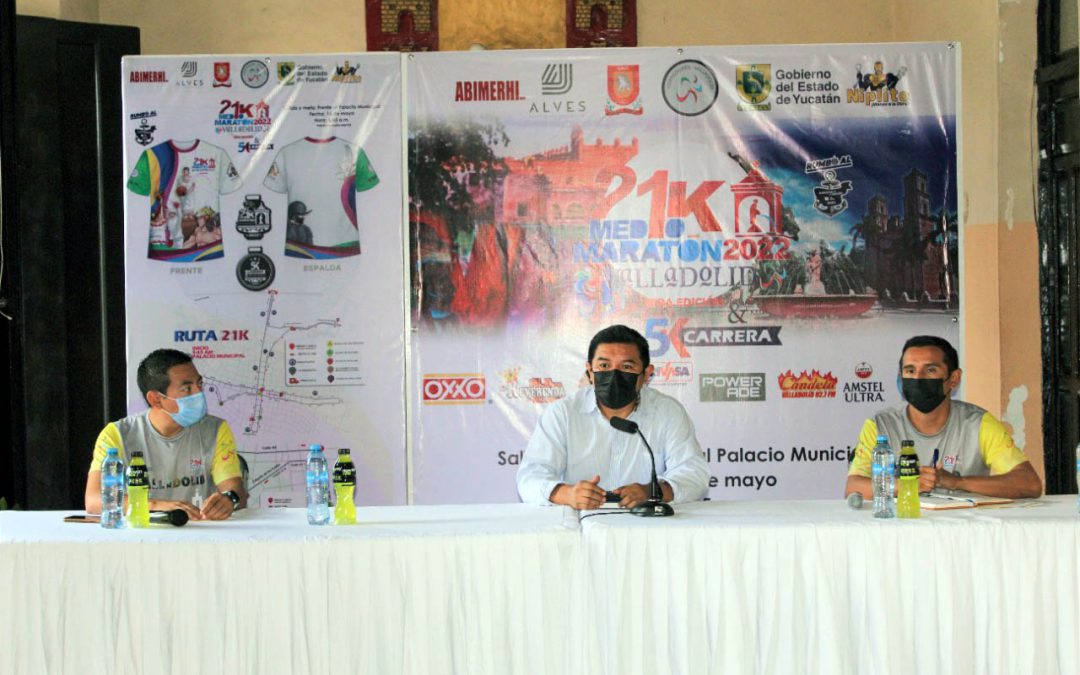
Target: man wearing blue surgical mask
<point>575,456</point>
<point>190,456</point>
<point>960,445</point>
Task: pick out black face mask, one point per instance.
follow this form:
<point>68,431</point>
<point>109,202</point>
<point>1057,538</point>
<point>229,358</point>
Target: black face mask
<point>615,388</point>
<point>925,394</point>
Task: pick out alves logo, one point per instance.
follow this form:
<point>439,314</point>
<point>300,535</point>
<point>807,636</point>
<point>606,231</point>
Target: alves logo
<point>452,389</point>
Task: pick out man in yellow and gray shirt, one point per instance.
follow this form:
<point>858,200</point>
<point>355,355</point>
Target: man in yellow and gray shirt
<point>190,456</point>
<point>974,450</point>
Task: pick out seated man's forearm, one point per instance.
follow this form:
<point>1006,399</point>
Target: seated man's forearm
<point>562,494</point>
<point>1021,482</point>
<point>860,484</point>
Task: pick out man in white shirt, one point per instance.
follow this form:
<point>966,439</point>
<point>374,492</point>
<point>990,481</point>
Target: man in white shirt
<point>575,455</point>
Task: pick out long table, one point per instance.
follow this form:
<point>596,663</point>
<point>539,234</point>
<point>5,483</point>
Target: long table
<point>722,587</point>
<point>814,587</point>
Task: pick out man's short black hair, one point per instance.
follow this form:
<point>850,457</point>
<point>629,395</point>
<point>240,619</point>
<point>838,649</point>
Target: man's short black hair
<point>952,359</point>
<point>153,373</point>
<point>624,335</point>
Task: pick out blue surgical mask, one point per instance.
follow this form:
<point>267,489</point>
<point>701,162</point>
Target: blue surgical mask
<point>192,409</point>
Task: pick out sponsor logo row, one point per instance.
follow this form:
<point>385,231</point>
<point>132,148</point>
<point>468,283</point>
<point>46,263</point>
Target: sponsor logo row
<point>689,87</point>
<point>745,387</point>
<point>471,388</point>
<point>253,73</point>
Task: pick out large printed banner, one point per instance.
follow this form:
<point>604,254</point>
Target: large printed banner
<point>264,236</point>
<point>775,220</point>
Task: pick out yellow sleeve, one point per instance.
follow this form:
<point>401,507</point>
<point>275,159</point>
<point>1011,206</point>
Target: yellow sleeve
<point>226,463</point>
<point>860,463</point>
<point>108,438</point>
<point>997,447</point>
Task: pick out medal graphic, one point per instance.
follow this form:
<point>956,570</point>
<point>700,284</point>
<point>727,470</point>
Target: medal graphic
<point>255,271</point>
<point>253,221</point>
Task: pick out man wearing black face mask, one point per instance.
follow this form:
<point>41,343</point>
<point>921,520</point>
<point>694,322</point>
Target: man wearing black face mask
<point>575,455</point>
<point>975,451</point>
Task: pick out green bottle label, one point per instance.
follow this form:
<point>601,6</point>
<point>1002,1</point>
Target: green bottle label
<point>344,473</point>
<point>137,476</point>
<point>909,465</point>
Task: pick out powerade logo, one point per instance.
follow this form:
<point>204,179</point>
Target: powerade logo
<point>454,389</point>
<point>732,387</point>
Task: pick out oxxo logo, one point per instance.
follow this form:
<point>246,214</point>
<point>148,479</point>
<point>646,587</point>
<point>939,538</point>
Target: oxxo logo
<point>731,387</point>
<point>454,389</point>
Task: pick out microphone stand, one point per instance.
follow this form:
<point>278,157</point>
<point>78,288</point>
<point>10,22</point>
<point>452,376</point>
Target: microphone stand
<point>655,507</point>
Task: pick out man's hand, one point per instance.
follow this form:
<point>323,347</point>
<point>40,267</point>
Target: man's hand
<point>218,507</point>
<point>931,477</point>
<point>633,494</point>
<point>928,478</point>
<point>167,505</point>
<point>587,494</point>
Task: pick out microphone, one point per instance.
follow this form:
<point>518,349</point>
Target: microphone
<point>654,506</point>
<point>855,500</point>
<point>175,517</point>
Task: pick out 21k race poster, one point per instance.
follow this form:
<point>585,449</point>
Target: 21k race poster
<point>775,220</point>
<point>264,237</point>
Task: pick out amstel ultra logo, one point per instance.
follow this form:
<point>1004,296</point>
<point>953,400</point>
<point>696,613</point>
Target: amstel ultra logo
<point>450,389</point>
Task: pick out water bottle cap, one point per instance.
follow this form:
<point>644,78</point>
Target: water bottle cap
<point>344,451</point>
<point>882,438</point>
<point>136,453</point>
<point>315,447</point>
<point>112,451</point>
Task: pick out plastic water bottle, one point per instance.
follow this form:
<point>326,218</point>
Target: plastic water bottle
<point>318,487</point>
<point>138,491</point>
<point>907,494</point>
<point>112,490</point>
<point>344,486</point>
<point>884,478</point>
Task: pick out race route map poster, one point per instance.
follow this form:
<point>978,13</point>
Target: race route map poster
<point>776,220</point>
<point>264,237</point>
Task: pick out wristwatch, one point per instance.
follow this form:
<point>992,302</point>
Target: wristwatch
<point>235,498</point>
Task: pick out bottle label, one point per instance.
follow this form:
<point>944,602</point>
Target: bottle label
<point>138,476</point>
<point>909,466</point>
<point>111,480</point>
<point>344,473</point>
<point>876,469</point>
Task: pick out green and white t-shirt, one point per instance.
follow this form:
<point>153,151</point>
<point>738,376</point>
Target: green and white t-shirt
<point>321,178</point>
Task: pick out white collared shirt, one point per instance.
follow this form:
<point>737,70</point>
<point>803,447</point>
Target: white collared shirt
<point>573,441</point>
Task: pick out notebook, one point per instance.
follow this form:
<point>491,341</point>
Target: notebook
<point>940,501</point>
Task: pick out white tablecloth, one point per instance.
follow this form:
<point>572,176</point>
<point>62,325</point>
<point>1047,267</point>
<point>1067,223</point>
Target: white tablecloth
<point>781,587</point>
<point>465,589</point>
<point>814,587</point>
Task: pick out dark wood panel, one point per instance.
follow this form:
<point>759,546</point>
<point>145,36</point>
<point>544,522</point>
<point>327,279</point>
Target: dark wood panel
<point>70,313</point>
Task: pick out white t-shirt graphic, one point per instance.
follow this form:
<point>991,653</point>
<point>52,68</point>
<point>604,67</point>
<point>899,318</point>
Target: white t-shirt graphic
<point>184,181</point>
<point>321,178</point>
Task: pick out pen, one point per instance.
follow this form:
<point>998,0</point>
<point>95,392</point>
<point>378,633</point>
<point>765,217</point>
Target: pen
<point>933,462</point>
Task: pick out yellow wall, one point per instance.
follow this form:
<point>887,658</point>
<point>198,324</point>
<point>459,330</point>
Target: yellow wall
<point>1000,354</point>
